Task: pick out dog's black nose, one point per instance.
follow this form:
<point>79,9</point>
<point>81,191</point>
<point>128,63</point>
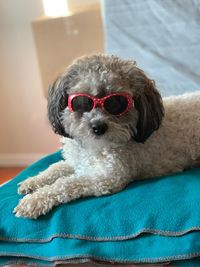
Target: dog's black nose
<point>99,128</point>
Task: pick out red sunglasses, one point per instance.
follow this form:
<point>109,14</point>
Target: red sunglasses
<point>115,104</point>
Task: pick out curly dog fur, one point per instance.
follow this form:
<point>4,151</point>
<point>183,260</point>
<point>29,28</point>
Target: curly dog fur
<point>141,144</point>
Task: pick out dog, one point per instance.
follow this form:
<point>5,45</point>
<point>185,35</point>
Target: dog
<point>116,129</point>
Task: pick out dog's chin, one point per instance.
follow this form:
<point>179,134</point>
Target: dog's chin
<point>94,142</point>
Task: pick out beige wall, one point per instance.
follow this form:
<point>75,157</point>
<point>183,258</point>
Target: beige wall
<point>24,128</point>
<point>75,5</point>
<point>25,133</point>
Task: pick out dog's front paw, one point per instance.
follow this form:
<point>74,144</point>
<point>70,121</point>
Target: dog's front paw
<point>32,207</point>
<point>28,186</point>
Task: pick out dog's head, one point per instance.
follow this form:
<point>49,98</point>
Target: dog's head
<point>100,76</point>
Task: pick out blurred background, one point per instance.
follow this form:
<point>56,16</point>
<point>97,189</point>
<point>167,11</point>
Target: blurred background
<point>39,38</point>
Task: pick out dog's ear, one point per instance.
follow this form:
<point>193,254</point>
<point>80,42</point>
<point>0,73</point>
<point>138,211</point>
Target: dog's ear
<point>151,111</point>
<point>57,102</point>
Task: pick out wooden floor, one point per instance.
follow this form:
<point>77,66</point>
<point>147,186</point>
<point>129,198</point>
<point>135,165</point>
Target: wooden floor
<point>7,173</point>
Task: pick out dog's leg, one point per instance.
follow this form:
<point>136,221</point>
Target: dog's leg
<point>65,190</point>
<point>47,177</point>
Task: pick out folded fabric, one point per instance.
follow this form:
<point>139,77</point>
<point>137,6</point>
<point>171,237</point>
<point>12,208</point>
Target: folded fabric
<point>145,249</point>
<point>155,220</point>
<point>157,34</point>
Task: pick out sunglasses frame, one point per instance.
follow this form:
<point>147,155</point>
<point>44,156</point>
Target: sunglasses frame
<point>100,101</point>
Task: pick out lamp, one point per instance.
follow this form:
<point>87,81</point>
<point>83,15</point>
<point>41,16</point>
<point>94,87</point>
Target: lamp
<point>55,8</point>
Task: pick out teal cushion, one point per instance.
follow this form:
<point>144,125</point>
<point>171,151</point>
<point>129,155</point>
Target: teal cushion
<point>150,221</point>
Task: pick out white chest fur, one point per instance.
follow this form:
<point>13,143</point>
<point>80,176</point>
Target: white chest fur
<point>90,162</point>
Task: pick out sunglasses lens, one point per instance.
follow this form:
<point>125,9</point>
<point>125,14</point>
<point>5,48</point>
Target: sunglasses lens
<point>116,104</point>
<point>82,103</point>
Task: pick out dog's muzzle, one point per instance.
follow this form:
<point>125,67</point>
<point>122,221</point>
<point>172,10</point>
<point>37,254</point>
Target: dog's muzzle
<point>99,128</point>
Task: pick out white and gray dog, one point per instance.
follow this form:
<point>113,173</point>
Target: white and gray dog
<point>108,111</point>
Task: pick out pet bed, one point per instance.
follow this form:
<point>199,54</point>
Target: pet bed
<point>151,221</point>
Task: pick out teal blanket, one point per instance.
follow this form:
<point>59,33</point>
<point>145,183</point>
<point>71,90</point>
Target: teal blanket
<point>156,220</point>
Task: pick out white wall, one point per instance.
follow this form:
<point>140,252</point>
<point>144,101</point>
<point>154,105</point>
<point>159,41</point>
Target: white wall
<point>25,133</point>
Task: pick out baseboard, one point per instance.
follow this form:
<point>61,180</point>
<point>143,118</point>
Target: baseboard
<point>19,159</point>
